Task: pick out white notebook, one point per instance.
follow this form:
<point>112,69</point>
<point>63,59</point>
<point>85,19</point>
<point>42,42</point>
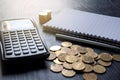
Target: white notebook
<point>86,24</point>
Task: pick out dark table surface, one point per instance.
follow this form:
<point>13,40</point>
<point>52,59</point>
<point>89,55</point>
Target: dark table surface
<point>39,70</point>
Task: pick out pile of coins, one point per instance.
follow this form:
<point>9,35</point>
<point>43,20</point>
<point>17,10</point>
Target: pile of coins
<point>70,58</point>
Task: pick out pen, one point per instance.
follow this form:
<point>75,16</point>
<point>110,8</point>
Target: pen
<point>80,40</point>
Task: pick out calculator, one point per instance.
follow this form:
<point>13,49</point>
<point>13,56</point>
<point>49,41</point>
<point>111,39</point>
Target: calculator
<point>20,39</point>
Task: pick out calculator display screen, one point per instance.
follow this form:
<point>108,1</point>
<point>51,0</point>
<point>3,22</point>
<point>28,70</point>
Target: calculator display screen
<point>22,24</point>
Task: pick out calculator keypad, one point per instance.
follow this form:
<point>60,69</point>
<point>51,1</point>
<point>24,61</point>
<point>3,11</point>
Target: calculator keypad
<point>22,43</point>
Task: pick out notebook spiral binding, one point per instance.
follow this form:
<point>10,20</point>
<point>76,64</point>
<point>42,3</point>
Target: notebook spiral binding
<point>100,39</point>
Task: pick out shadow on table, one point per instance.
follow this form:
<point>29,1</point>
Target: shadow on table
<point>9,68</point>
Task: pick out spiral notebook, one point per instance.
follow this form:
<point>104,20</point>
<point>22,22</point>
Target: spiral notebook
<point>86,25</point>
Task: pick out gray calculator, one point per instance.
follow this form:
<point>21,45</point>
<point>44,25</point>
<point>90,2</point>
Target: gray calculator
<point>20,39</point>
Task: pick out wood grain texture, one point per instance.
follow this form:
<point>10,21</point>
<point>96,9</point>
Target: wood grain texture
<point>39,70</point>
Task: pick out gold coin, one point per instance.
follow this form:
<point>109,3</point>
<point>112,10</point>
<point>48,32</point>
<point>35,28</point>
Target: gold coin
<point>68,73</point>
<point>116,57</point>
<point>75,47</point>
<point>103,63</point>
<point>88,68</point>
<point>92,54</point>
<point>105,57</point>
<point>89,49</point>
<point>71,58</point>
<point>65,49</point>
<point>90,76</point>
<point>87,59</point>
<point>61,57</point>
<point>67,65</point>
<point>82,50</point>
<point>56,67</point>
<point>78,66</point>
<point>99,69</point>
<point>59,52</point>
<point>57,61</point>
<point>55,48</point>
<point>52,56</point>
<point>73,52</point>
<point>66,44</point>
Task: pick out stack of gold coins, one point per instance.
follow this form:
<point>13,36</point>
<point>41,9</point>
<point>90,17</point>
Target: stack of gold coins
<point>69,58</point>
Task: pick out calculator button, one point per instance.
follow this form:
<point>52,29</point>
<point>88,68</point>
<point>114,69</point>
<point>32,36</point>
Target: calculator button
<point>36,39</point>
<point>22,39</point>
<point>8,52</point>
<point>32,47</point>
<point>31,44</point>
<point>34,33</point>
<point>24,48</point>
<point>16,49</point>
<point>23,45</point>
<point>38,42</point>
<point>15,46</point>
<point>14,40</point>
<point>35,36</point>
<point>30,41</point>
<point>25,51</point>
<point>8,46</point>
<point>23,42</point>
<point>33,50</point>
<point>40,48</point>
<point>15,43</point>
<point>17,52</point>
<point>29,38</point>
<point>38,45</point>
<point>8,49</point>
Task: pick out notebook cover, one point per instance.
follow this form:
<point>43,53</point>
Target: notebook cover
<point>86,25</point>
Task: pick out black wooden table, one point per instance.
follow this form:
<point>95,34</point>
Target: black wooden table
<point>39,70</point>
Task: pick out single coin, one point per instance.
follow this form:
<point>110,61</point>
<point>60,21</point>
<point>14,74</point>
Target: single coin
<point>92,54</point>
<point>65,49</point>
<point>71,58</point>
<point>88,68</point>
<point>52,56</point>
<point>55,48</point>
<point>67,65</point>
<point>61,57</point>
<point>59,52</point>
<point>66,44</point>
<point>104,63</point>
<point>56,67</point>
<point>105,57</point>
<point>73,52</point>
<point>78,66</point>
<point>116,57</point>
<point>89,49</point>
<point>57,61</point>
<point>68,73</point>
<point>75,47</point>
<point>87,59</point>
<point>90,76</point>
<point>82,50</point>
<point>99,69</point>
